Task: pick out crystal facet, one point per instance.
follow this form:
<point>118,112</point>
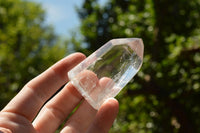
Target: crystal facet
<point>104,73</point>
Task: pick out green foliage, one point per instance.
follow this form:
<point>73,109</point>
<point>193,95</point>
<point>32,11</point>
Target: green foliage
<point>27,45</point>
<point>164,95</point>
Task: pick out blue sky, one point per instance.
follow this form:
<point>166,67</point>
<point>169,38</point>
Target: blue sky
<point>62,14</point>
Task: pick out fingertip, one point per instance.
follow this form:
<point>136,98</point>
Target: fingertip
<point>80,55</point>
<point>63,66</point>
<point>109,109</point>
<point>111,103</point>
<point>105,116</point>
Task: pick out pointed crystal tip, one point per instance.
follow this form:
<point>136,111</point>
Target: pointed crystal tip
<point>136,44</point>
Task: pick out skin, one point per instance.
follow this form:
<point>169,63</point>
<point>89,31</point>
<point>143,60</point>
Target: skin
<point>30,111</point>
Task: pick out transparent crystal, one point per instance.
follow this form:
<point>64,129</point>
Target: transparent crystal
<point>104,73</point>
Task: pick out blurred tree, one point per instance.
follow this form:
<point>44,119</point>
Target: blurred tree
<point>27,45</point>
<point>165,94</point>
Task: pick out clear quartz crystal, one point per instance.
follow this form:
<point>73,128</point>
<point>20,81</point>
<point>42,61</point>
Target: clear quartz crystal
<point>104,73</point>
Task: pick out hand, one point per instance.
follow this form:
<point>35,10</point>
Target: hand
<point>31,112</point>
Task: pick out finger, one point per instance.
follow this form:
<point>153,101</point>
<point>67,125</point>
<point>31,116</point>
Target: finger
<point>4,130</point>
<point>13,123</point>
<point>81,119</point>
<point>84,116</point>
<point>30,99</point>
<point>105,117</point>
<point>57,109</point>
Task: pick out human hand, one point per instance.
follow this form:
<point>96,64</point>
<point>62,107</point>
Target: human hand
<point>30,111</point>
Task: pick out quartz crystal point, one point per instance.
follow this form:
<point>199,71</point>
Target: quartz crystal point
<point>104,73</point>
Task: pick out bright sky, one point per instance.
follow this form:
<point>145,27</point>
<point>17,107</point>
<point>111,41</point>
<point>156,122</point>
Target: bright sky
<point>62,14</point>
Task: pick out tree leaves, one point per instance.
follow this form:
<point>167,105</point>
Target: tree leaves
<point>168,83</point>
<point>27,45</point>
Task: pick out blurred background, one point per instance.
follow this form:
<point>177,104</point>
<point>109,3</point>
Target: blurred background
<point>164,96</point>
